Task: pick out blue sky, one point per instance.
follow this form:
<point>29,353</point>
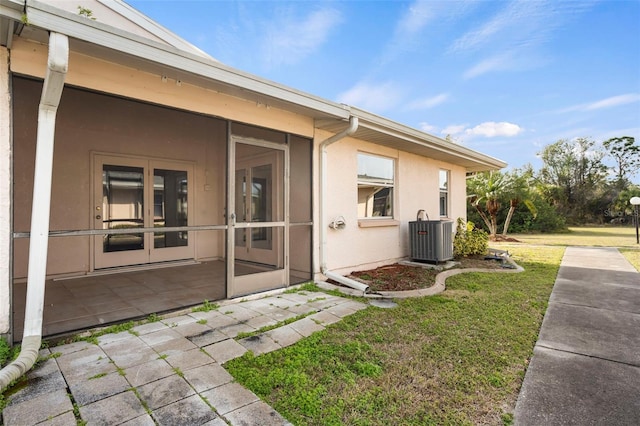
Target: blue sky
<point>504,78</point>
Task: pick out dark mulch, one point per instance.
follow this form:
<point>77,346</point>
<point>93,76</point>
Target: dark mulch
<point>398,277</point>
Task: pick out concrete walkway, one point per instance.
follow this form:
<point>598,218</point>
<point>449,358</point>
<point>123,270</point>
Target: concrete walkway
<point>170,372</point>
<point>586,364</point>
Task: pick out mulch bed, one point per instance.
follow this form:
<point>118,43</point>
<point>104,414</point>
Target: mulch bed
<point>398,277</point>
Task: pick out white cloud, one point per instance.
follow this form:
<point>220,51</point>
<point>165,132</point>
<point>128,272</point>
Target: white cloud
<point>429,102</point>
<point>519,24</point>
<point>376,97</point>
<point>610,102</point>
<point>454,129</point>
<point>428,128</point>
<point>494,63</point>
<point>510,36</point>
<point>614,101</point>
<point>290,39</point>
<point>490,129</point>
<point>415,18</point>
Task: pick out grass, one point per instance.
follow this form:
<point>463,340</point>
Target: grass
<point>455,358</point>
<point>205,307</point>
<point>624,238</point>
<point>597,236</point>
<point>633,256</point>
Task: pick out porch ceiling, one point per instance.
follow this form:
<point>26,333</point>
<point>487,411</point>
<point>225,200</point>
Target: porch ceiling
<point>382,131</point>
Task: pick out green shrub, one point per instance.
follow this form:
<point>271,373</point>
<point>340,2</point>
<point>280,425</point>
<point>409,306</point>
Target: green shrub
<point>469,240</point>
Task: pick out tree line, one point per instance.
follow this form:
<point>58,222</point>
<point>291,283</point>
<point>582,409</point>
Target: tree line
<point>580,182</point>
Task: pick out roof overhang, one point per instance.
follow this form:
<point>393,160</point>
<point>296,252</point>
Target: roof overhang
<point>105,42</point>
<point>10,18</point>
<point>382,131</point>
<point>110,44</point>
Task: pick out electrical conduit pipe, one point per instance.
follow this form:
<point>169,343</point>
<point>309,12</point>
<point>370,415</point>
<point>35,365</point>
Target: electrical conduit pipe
<point>57,65</point>
<point>353,126</point>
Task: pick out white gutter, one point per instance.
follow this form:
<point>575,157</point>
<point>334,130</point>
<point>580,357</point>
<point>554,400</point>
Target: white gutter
<point>353,126</point>
<point>57,66</point>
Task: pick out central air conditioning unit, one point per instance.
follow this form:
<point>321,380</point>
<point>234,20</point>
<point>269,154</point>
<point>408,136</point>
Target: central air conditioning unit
<point>431,240</point>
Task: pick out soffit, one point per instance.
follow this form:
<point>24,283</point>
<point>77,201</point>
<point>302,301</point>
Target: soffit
<point>385,132</point>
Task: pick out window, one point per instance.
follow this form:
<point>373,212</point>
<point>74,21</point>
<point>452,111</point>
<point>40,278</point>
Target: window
<point>375,186</point>
<point>444,193</point>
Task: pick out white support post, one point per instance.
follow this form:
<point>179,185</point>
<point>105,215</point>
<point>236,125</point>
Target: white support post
<point>5,193</point>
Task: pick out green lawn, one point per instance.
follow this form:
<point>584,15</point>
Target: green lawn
<point>455,358</point>
<point>605,236</point>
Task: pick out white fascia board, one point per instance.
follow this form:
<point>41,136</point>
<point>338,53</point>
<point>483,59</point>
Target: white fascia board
<point>152,26</point>
<point>52,19</point>
<point>401,131</point>
<point>12,9</point>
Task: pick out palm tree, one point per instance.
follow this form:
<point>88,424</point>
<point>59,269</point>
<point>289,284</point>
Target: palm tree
<point>517,187</point>
<point>487,187</point>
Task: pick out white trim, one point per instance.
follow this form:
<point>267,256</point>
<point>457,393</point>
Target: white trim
<point>6,194</point>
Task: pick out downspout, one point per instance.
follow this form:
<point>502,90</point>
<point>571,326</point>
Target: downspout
<point>57,65</point>
<point>353,126</point>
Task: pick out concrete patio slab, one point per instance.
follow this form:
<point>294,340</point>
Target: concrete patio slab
<point>324,317</point>
<point>38,409</point>
<point>189,411</point>
<point>207,377</point>
<point>306,326</point>
<point>189,359</point>
<point>284,336</point>
<point>191,329</point>
<point>165,391</point>
<point>148,372</point>
<point>259,344</point>
<point>46,379</point>
<point>85,363</point>
<point>225,350</point>
<point>159,373</point>
<point>233,330</point>
<point>207,338</point>
<point>257,413</point>
<point>229,397</point>
<point>97,388</point>
<point>113,410</point>
<point>129,352</point>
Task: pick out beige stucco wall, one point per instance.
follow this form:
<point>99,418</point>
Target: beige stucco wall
<point>359,247</point>
<point>5,192</point>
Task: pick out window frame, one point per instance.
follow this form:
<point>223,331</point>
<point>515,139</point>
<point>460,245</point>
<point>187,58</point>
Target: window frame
<point>367,221</point>
<point>446,191</point>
